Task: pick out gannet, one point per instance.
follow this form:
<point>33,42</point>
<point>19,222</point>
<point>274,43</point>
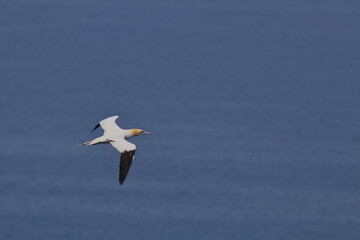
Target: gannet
<point>117,136</point>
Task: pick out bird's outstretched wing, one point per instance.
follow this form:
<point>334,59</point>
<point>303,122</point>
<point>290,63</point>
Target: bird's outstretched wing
<point>127,151</point>
<point>109,126</point>
<point>125,164</point>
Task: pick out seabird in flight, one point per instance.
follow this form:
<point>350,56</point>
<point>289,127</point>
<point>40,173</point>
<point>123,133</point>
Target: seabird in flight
<point>117,136</point>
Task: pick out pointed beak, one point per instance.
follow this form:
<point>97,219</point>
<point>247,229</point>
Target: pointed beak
<point>146,133</point>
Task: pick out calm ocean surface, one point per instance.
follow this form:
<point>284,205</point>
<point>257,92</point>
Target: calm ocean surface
<point>254,108</point>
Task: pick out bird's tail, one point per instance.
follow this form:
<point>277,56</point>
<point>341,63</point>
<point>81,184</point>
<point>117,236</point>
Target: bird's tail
<point>85,143</point>
<point>95,141</point>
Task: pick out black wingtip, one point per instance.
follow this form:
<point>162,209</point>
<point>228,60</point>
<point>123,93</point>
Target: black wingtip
<point>125,164</point>
<point>98,125</point>
<point>121,181</point>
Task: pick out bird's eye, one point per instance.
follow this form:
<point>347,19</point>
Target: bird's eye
<point>141,132</point>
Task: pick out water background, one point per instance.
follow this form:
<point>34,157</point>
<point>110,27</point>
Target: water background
<point>254,106</point>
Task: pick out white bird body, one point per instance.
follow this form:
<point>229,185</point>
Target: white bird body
<point>117,136</point>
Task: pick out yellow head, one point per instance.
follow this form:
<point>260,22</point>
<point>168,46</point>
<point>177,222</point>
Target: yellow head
<point>137,132</point>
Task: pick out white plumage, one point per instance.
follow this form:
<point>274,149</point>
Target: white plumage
<point>110,127</point>
<point>117,136</point>
<point>122,145</point>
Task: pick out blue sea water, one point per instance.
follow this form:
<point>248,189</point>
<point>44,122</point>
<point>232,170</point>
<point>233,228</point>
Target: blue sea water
<point>253,105</point>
